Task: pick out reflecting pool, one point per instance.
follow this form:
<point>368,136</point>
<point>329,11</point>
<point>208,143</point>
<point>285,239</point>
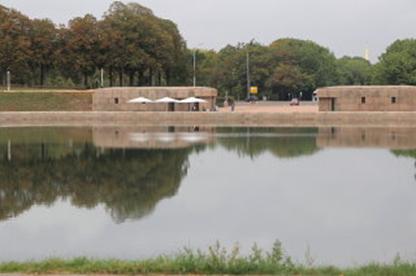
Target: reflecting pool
<point>345,195</point>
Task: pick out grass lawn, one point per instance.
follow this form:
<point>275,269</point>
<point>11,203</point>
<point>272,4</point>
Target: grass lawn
<point>37,90</point>
<point>45,101</point>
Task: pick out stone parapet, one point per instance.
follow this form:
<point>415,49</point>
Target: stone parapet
<point>385,119</point>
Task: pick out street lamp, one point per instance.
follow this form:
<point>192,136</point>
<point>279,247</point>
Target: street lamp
<point>102,78</point>
<point>248,73</point>
<point>194,63</point>
<point>8,80</point>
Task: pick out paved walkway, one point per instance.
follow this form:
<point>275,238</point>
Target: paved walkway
<point>272,107</point>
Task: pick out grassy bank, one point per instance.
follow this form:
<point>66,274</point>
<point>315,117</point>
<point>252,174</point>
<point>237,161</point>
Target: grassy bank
<point>215,261</point>
<point>45,101</point>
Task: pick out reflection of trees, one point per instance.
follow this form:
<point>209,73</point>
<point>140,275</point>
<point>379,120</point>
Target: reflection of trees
<point>40,166</point>
<point>405,153</point>
<point>281,142</point>
<point>128,182</point>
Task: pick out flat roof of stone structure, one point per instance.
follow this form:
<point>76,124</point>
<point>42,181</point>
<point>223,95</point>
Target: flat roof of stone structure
<point>157,92</point>
<point>339,91</point>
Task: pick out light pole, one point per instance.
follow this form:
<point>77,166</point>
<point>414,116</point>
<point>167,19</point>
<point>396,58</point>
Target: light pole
<point>248,74</point>
<point>194,62</point>
<point>8,80</point>
<point>194,65</point>
<point>102,77</point>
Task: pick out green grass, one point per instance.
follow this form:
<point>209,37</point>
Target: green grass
<point>38,90</point>
<point>45,101</point>
<point>217,260</point>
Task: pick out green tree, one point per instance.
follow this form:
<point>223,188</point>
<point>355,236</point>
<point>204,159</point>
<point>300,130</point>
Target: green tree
<point>313,60</point>
<point>82,46</point>
<point>43,46</point>
<point>261,66</point>
<point>398,64</point>
<point>15,44</point>
<point>229,68</point>
<point>143,44</point>
<point>229,74</point>
<point>354,71</point>
<point>289,81</point>
<point>206,67</point>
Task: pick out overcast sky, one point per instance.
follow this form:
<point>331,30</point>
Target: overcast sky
<point>347,27</point>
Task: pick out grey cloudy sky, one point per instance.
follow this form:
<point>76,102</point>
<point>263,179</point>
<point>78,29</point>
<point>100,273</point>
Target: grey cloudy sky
<point>347,27</point>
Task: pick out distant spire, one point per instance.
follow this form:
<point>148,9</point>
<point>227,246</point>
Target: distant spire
<point>367,54</point>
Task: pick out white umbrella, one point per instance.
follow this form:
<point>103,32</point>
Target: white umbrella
<point>166,100</point>
<point>141,100</point>
<point>193,100</point>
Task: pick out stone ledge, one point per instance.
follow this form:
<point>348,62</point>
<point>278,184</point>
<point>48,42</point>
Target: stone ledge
<point>391,119</point>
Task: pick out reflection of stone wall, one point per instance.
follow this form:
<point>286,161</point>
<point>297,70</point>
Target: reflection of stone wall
<point>151,137</point>
<point>392,138</point>
<point>116,98</point>
<point>367,98</point>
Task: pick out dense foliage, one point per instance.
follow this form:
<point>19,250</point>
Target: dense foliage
<point>128,41</point>
<point>398,64</point>
<point>136,48</point>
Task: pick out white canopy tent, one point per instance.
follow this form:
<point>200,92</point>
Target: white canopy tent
<point>169,101</point>
<point>166,100</point>
<point>141,100</point>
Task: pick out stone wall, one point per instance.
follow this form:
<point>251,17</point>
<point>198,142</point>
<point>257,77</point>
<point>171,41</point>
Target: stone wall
<point>367,98</point>
<point>117,98</point>
<point>385,119</point>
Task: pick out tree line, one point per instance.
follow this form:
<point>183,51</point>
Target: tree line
<point>136,48</point>
<point>287,67</point>
<point>130,43</point>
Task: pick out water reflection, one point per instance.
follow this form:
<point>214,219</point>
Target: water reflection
<point>281,142</point>
<point>130,170</point>
<point>128,182</point>
<point>329,188</point>
<point>151,137</point>
<point>388,138</point>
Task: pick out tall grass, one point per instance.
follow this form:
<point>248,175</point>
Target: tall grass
<point>216,260</point>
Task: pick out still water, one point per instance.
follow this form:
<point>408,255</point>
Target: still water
<point>345,195</point>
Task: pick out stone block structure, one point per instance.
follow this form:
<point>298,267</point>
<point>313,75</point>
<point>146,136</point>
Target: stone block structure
<point>367,98</point>
<point>117,98</point>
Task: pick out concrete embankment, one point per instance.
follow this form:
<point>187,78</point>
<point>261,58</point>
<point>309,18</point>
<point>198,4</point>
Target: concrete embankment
<point>300,119</point>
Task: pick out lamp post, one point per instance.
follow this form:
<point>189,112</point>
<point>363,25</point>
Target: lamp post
<point>248,74</point>
<point>8,80</point>
<point>194,63</point>
<point>102,77</point>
